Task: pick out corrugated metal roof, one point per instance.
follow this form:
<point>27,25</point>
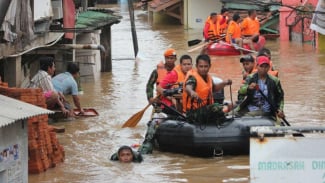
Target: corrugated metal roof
<point>13,110</point>
<point>95,19</point>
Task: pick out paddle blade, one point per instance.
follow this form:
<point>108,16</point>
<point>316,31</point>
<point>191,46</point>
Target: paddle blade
<point>134,120</point>
<point>194,42</point>
<point>197,47</point>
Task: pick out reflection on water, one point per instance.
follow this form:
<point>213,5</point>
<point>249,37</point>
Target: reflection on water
<point>89,142</point>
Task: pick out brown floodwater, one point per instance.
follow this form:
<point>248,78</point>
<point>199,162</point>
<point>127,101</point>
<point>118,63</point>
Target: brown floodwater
<point>89,142</point>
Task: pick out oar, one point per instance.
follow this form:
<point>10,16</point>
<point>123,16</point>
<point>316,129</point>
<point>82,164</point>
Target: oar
<point>134,120</point>
<point>198,47</point>
<point>239,48</point>
<point>197,41</point>
<point>202,45</point>
<point>174,110</point>
<point>193,42</point>
<point>284,119</point>
<point>272,106</point>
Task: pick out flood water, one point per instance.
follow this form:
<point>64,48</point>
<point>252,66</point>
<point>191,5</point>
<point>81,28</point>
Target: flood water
<point>89,142</point>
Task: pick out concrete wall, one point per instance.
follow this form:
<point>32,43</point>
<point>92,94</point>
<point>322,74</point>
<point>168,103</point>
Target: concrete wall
<point>198,11</point>
<point>286,19</point>
<point>89,60</point>
<point>14,168</point>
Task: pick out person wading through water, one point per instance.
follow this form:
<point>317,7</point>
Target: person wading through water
<point>54,100</point>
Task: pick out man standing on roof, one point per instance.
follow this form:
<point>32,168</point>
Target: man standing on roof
<point>222,19</point>
<point>211,28</point>
<point>160,72</point>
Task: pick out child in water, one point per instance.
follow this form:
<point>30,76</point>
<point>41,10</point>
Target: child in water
<point>125,154</point>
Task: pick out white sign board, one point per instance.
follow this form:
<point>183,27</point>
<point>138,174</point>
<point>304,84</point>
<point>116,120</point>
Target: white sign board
<point>287,159</point>
<point>42,9</point>
<point>318,21</point>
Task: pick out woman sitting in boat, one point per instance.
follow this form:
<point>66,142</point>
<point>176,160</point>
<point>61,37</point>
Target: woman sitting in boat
<point>171,82</point>
<point>234,36</point>
<point>264,94</point>
<point>198,101</point>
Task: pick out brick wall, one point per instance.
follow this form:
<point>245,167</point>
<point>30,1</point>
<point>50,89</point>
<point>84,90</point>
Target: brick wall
<point>44,150</point>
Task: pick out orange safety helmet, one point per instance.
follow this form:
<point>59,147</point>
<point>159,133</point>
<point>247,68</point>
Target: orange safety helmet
<point>170,52</point>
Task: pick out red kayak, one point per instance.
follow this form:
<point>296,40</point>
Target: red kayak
<point>225,49</point>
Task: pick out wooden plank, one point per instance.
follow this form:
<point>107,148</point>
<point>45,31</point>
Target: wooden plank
<point>163,6</point>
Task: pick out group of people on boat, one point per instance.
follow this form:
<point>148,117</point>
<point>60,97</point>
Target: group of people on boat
<point>195,96</point>
<point>236,31</point>
<point>183,91</point>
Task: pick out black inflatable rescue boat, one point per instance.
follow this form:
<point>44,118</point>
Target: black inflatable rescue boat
<point>230,138</point>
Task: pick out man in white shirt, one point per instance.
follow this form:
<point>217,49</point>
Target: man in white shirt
<point>42,80</point>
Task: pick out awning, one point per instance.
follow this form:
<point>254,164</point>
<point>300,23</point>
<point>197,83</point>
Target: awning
<point>94,20</point>
<point>13,110</point>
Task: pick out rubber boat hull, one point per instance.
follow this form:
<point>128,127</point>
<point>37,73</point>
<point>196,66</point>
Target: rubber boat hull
<point>232,138</point>
<point>225,49</point>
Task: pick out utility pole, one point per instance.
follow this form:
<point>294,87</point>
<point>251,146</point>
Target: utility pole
<point>133,29</point>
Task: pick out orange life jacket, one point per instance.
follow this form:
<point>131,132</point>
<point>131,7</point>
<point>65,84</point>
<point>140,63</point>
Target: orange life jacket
<point>180,75</point>
<point>234,30</point>
<point>250,26</point>
<point>223,23</point>
<point>213,32</point>
<point>203,89</point>
<point>273,73</point>
<point>162,72</point>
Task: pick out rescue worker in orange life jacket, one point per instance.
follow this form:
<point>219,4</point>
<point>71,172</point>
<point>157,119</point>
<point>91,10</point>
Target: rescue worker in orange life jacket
<point>234,36</point>
<point>251,25</point>
<point>198,93</point>
<point>211,28</point>
<point>160,72</point>
<point>174,81</point>
<point>222,19</point>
